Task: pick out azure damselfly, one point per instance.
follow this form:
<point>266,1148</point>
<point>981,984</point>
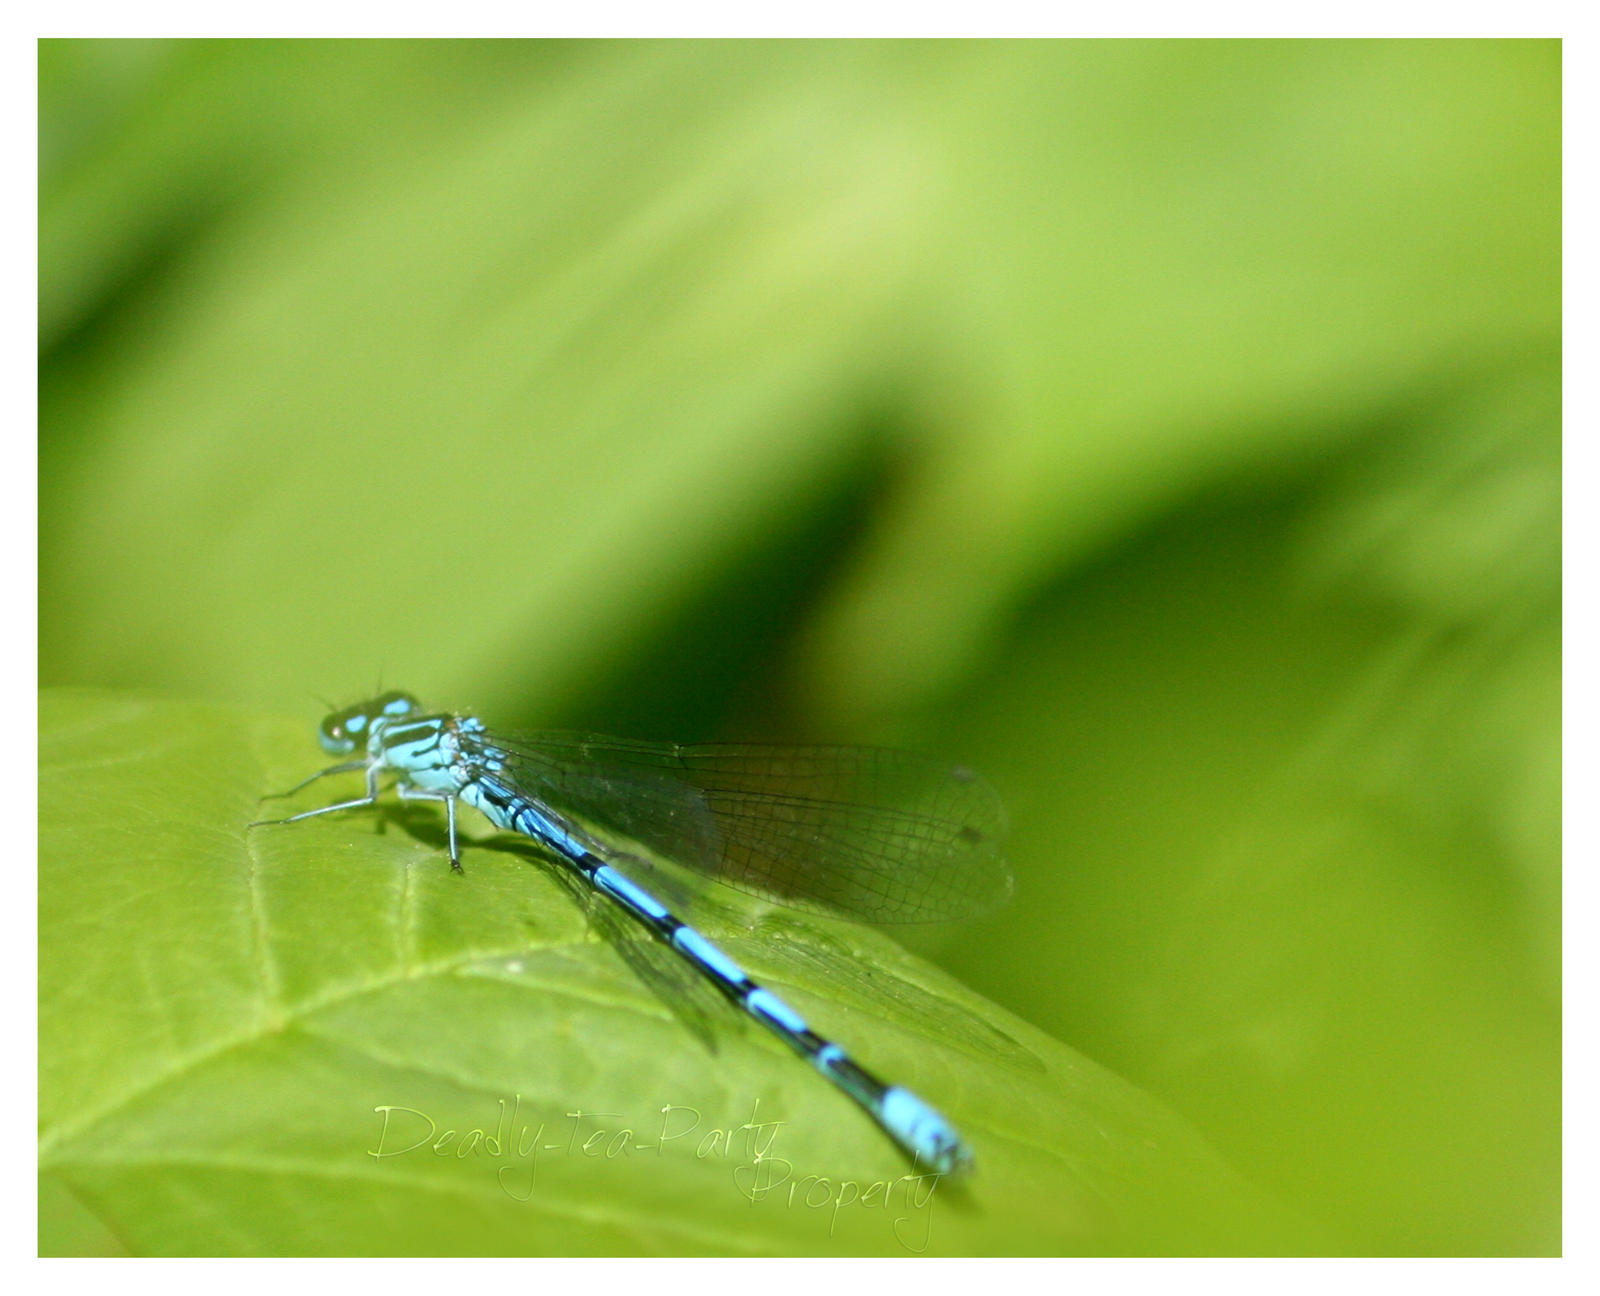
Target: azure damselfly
<point>859,832</point>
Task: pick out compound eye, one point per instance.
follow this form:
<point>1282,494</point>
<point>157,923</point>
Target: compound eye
<point>341,731</point>
<point>398,704</point>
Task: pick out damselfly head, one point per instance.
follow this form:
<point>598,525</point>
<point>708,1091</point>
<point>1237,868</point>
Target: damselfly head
<point>342,732</point>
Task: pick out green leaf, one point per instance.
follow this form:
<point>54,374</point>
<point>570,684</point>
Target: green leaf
<point>229,1016</point>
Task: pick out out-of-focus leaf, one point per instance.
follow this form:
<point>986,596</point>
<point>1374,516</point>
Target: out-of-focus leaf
<point>552,332</point>
<point>1289,809</point>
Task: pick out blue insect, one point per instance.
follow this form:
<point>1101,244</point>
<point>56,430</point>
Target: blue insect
<point>865,833</point>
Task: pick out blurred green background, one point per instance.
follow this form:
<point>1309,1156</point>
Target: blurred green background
<point>1169,429</point>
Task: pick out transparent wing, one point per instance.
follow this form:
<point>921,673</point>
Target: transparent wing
<point>687,994</point>
<point>804,955</point>
<point>863,832</point>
